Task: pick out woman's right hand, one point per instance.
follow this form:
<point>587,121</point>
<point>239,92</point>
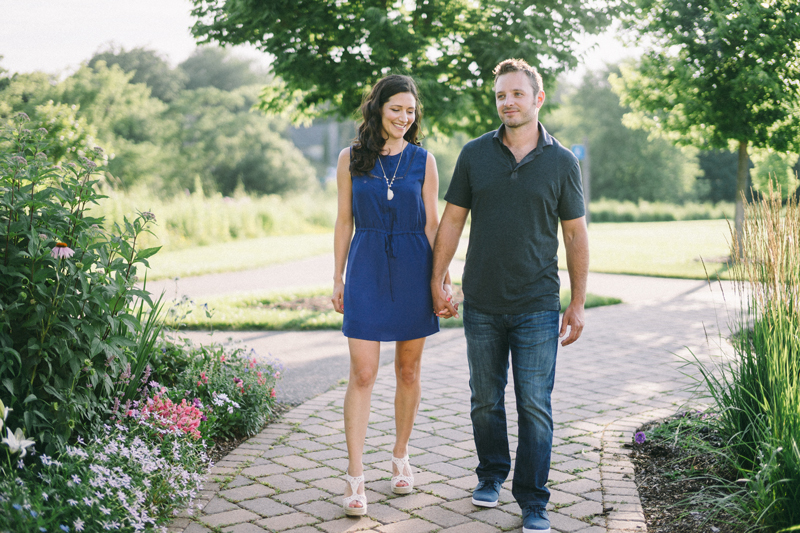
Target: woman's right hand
<point>338,297</point>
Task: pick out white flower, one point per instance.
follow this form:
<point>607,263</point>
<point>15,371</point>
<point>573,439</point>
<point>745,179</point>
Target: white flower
<point>78,524</point>
<point>17,442</point>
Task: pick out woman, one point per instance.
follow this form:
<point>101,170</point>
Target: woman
<point>389,186</point>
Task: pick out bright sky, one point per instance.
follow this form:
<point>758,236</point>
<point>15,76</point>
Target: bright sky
<point>57,35</point>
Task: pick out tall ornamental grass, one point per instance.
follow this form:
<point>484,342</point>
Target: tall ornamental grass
<point>758,393</point>
<point>196,219</point>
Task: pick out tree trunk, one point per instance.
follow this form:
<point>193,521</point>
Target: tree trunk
<point>741,192</point>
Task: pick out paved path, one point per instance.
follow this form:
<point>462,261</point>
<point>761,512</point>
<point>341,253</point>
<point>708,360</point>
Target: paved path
<point>625,370</point>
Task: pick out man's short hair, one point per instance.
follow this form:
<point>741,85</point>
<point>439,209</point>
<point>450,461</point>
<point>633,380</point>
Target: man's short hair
<point>519,65</point>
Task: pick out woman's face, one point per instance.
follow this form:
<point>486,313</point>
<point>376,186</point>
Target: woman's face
<point>398,114</point>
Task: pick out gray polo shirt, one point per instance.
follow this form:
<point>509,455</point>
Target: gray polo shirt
<point>512,263</point>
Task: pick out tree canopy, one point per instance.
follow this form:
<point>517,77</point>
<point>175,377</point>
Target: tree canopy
<point>210,66</point>
<point>626,164</point>
<point>206,136</point>
<point>326,52</point>
<point>147,67</point>
<point>718,72</point>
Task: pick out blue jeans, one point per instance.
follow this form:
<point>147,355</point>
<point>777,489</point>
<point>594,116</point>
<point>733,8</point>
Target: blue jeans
<point>532,339</point>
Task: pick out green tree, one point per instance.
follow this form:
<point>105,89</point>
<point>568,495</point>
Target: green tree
<point>625,164</point>
<point>210,66</point>
<point>719,170</point>
<point>326,52</point>
<point>147,67</point>
<point>228,147</point>
<point>97,106</point>
<point>720,73</point>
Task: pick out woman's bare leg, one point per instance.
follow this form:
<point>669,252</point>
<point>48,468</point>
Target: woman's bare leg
<point>364,361</point>
<point>407,362</point>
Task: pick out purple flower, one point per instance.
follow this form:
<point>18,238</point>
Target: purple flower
<point>61,251</point>
<point>640,437</point>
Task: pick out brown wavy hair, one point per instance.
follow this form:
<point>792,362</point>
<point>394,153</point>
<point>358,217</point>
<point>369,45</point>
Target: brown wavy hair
<point>369,142</point>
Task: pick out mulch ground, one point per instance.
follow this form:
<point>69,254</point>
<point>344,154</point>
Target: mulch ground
<point>669,477</point>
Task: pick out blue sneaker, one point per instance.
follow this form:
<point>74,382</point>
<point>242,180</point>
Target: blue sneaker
<point>487,493</point>
<point>535,520</point>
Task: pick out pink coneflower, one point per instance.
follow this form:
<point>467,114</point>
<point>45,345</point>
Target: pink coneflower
<point>62,251</point>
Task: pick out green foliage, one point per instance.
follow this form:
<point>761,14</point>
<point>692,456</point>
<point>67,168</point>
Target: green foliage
<point>130,475</point>
<point>231,148</point>
<point>718,74</point>
<point>775,169</point>
<point>147,67</point>
<point>718,71</point>
<point>625,164</point>
<point>326,52</point>
<point>209,66</point>
<point>719,169</point>
<point>164,143</point>
<point>758,392</point>
<point>66,291</point>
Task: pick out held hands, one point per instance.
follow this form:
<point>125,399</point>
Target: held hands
<point>338,297</point>
<point>573,317</point>
<point>443,304</point>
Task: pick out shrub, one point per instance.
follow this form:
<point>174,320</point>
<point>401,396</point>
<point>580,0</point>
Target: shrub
<point>68,326</point>
<point>237,391</point>
<point>625,211</point>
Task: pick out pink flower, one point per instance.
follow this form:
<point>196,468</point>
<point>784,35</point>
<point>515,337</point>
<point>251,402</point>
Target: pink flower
<point>62,251</point>
<point>272,393</point>
<point>253,362</point>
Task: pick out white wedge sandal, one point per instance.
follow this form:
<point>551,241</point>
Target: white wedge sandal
<point>354,482</point>
<point>402,466</point>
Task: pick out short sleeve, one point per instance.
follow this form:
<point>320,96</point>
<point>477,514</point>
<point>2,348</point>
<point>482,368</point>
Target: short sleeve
<point>570,203</point>
<point>459,191</point>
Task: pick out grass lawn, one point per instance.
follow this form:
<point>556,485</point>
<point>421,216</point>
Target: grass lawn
<point>299,310</point>
<point>667,249</point>
<point>663,249</point>
<point>238,255</point>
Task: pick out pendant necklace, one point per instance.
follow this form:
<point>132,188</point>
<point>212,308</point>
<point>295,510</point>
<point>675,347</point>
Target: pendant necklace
<point>389,192</point>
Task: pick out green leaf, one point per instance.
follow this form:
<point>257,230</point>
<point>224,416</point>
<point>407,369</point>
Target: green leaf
<point>30,398</point>
<point>10,386</point>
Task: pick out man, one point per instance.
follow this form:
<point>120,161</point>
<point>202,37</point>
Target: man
<point>518,182</point>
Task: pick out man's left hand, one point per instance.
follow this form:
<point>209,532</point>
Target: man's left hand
<point>573,318</point>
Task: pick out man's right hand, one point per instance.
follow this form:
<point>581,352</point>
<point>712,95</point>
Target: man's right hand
<point>443,304</point>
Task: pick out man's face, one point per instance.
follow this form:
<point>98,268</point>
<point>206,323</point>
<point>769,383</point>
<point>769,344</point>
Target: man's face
<point>516,103</point>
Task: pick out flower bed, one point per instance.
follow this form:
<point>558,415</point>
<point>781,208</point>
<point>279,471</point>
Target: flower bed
<point>106,423</point>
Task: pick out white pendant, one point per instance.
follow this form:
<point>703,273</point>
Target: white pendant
<point>389,194</point>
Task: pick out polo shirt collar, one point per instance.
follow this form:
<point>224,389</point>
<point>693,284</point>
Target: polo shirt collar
<point>545,139</point>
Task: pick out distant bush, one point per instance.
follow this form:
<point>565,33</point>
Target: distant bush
<point>624,211</point>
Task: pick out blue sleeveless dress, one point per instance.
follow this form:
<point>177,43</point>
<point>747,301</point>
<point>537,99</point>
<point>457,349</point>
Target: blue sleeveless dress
<point>387,291</point>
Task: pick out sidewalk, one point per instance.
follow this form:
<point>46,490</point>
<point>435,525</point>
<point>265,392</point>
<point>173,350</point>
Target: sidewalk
<point>625,370</point>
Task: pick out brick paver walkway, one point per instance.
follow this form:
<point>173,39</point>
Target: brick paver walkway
<point>625,370</point>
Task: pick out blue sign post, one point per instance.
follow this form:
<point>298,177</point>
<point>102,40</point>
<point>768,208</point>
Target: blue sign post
<point>579,150</point>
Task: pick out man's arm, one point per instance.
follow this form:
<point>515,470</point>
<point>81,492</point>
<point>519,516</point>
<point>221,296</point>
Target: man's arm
<point>576,243</point>
<point>444,249</point>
